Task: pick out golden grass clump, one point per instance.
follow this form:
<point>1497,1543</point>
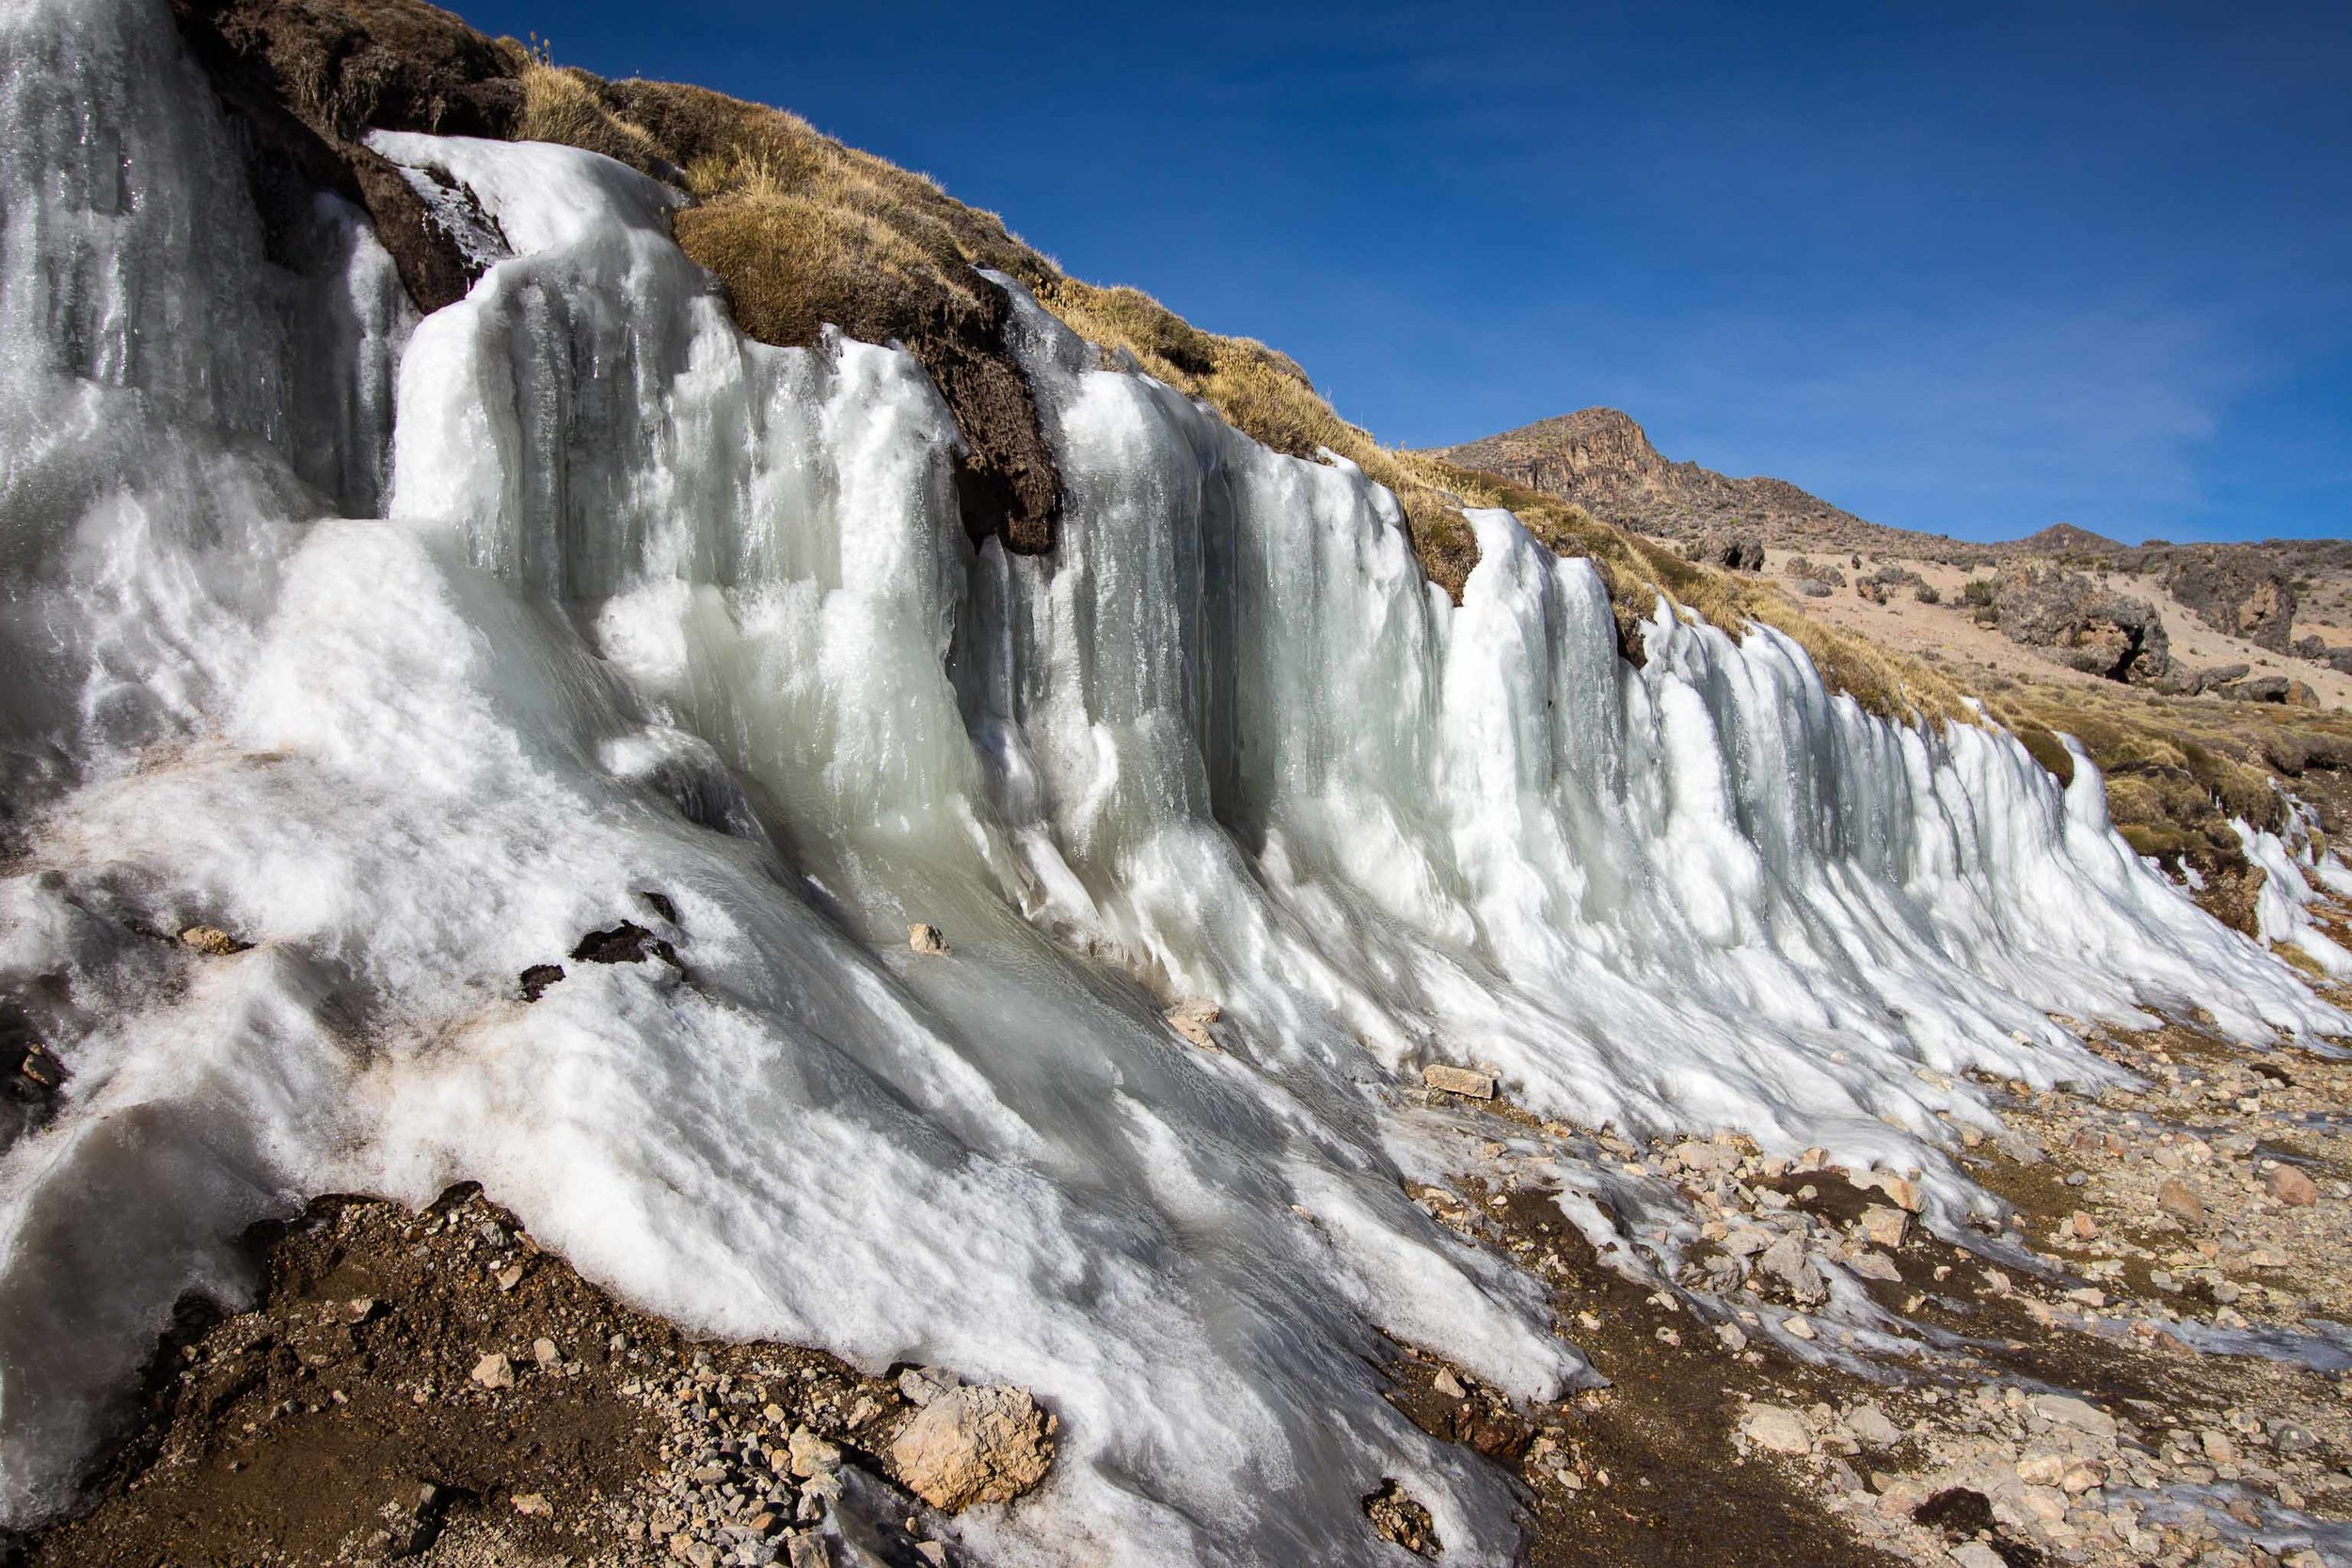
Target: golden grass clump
<point>563,105</point>
<point>2178,769</point>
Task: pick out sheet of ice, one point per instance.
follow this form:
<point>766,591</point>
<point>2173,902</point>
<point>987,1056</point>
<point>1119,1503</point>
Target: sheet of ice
<point>2290,864</point>
<point>654,609</point>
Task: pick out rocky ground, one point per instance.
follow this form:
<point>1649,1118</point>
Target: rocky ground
<point>2139,1360</point>
<point>433,1389</point>
<point>2143,1362</point>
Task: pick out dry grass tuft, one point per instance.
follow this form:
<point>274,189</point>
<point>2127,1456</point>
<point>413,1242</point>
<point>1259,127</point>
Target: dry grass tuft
<point>2177,768</point>
<point>566,105</point>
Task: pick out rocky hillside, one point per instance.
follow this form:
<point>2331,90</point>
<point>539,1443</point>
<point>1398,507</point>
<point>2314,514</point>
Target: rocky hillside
<point>1600,460</point>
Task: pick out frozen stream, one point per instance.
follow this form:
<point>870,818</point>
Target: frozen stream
<point>409,651</point>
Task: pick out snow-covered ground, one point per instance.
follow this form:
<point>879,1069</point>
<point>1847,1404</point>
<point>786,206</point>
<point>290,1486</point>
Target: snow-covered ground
<point>653,609</point>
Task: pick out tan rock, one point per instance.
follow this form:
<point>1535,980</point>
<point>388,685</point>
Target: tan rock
<point>1191,1019</point>
<point>1903,1194</point>
<point>1775,1429</point>
<point>2290,1186</point>
<point>986,1445</point>
<point>1885,1227</point>
<point>2177,1198</point>
<point>2041,1470</point>
<point>925,939</point>
<point>2067,1411</point>
<point>1709,1159</point>
<point>811,1454</point>
<point>1468,1082</point>
<point>1872,1428</point>
<point>212,941</point>
<point>494,1370</point>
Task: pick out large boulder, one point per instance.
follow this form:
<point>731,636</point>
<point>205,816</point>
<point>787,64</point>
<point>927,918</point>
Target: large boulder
<point>2266,688</point>
<point>1739,550</point>
<point>966,1446</point>
<point>2081,625</point>
<point>2237,592</point>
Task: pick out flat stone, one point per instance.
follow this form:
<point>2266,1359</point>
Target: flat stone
<point>2067,1411</point>
<point>921,1384</point>
<point>1712,1159</point>
<point>2290,1186</point>
<point>494,1370</point>
<point>2177,1198</point>
<point>1470,1083</point>
<point>1785,1261</point>
<point>2040,1469</point>
<point>812,1455</point>
<point>1885,1227</point>
<point>1871,1428</point>
<point>1902,1193</point>
<point>1775,1429</point>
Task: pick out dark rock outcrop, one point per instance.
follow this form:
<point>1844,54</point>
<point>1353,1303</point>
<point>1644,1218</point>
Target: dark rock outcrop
<point>306,82</point>
<point>2082,625</point>
<point>1739,549</point>
<point>2284,689</point>
<point>2237,592</point>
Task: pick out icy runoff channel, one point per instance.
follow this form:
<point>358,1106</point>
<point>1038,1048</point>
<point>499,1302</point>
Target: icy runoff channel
<point>656,608</point>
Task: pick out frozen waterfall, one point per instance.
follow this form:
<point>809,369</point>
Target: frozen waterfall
<point>652,607</point>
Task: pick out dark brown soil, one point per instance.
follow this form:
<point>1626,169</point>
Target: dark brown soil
<point>341,1418</point>
<point>1658,1480</point>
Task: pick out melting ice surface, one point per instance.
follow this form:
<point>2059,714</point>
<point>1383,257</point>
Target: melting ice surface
<point>410,650</point>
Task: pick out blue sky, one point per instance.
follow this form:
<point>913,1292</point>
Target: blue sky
<point>1969,269</point>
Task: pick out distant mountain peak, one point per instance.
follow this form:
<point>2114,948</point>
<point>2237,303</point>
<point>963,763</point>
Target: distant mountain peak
<point>2067,539</point>
<point>1603,461</point>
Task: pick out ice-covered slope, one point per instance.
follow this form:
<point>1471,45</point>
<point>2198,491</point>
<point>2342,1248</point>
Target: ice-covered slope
<point>657,609</point>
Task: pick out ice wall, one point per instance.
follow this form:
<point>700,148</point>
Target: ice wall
<point>655,609</point>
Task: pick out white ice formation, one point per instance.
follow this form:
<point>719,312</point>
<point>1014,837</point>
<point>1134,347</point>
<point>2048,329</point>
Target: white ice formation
<point>408,651</point>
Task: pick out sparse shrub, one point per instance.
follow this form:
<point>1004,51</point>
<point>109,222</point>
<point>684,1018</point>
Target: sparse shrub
<point>1976,591</point>
<point>1927,593</point>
